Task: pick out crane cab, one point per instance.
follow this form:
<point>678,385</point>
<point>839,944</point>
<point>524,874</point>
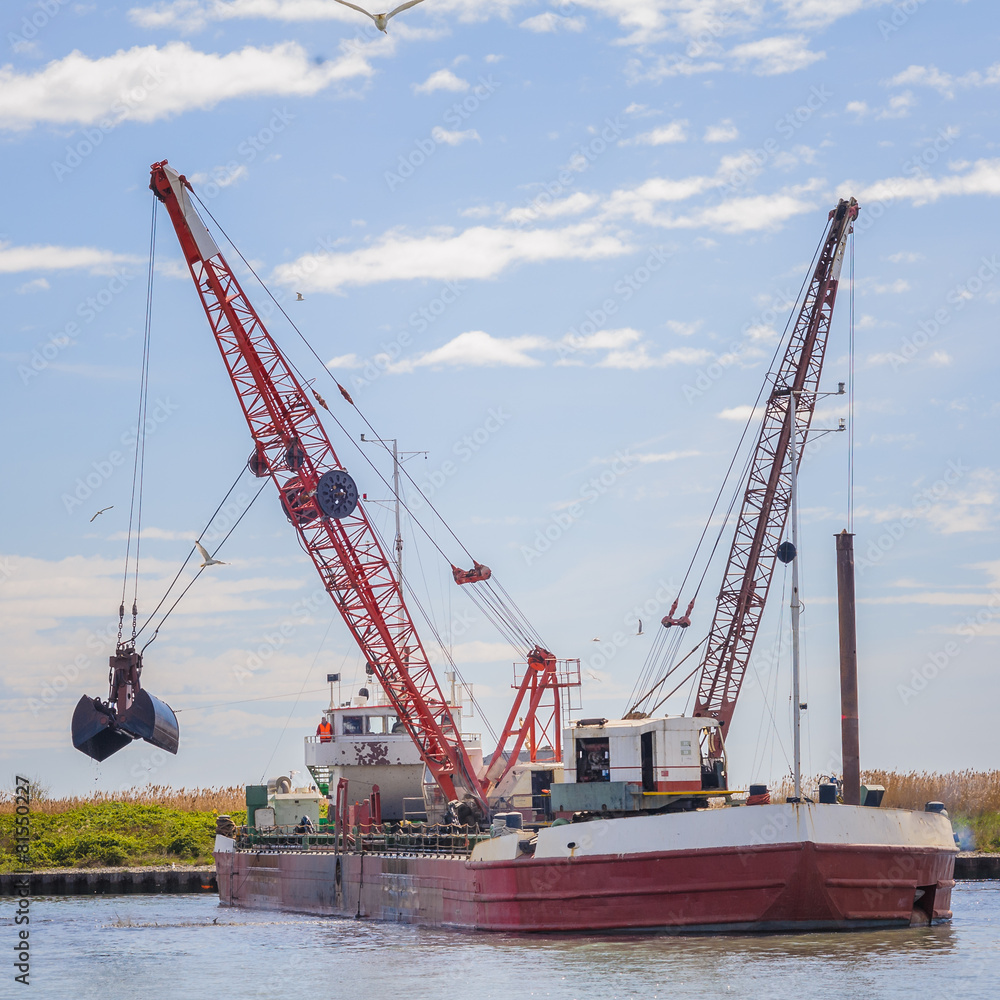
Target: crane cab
<point>636,765</point>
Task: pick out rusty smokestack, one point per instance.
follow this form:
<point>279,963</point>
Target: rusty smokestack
<point>848,670</point>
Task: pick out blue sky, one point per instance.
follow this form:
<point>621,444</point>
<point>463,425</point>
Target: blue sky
<point>546,244</point>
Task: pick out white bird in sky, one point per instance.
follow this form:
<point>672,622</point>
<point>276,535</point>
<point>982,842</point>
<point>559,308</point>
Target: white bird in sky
<point>598,639</point>
<point>207,559</point>
<point>381,19</point>
<point>101,511</point>
<point>299,297</point>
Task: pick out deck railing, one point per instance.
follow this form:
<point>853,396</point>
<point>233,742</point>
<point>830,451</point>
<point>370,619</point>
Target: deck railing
<point>389,838</point>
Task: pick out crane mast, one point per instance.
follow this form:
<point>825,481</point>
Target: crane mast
<point>767,497</point>
<point>319,498</point>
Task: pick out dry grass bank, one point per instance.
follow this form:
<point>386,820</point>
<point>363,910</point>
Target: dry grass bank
<point>213,800</point>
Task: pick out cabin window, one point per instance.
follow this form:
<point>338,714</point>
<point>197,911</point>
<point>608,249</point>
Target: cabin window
<point>593,760</point>
<point>354,725</point>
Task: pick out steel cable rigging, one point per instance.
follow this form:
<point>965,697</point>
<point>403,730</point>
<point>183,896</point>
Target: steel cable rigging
<point>492,598</point>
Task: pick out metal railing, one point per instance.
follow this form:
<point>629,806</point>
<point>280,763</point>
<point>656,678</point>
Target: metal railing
<point>389,838</point>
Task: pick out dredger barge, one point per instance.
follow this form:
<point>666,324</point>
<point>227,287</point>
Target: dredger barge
<point>623,824</point>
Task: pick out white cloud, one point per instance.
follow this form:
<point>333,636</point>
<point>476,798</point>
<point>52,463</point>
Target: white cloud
<point>147,83</point>
<point>739,214</point>
<point>820,13</point>
<point>899,106</point>
<point>478,252</point>
<point>640,202</point>
<point>940,359</point>
<point>623,348</point>
<point>478,349</point>
<point>897,287</point>
<point>221,176</point>
<point>601,339</point>
<point>776,55</point>
<point>193,15</point>
<point>682,329</point>
<point>575,204</point>
<point>454,138</point>
<point>944,83</point>
<point>442,79</point>
<point>640,357</point>
<point>981,177</point>
<point>39,257</point>
<point>661,135</point>
<point>345,361</point>
<point>970,507</point>
<point>665,67</point>
<point>905,257</point>
<point>742,413</point>
<point>742,215</point>
<point>761,333</point>
<point>35,285</point>
<point>725,131</point>
<point>550,21</point>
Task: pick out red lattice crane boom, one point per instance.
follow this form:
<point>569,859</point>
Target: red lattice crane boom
<point>767,497</point>
<point>319,498</point>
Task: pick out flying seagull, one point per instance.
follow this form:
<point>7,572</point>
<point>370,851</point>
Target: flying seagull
<point>207,559</point>
<point>101,511</point>
<point>640,627</point>
<point>299,297</point>
<point>598,639</point>
<point>381,19</point>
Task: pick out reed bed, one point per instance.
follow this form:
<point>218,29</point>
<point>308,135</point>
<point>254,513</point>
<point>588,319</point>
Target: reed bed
<point>204,800</point>
<point>969,794</point>
<point>965,793</point>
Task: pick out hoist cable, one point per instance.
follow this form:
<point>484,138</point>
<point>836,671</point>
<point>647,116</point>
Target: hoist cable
<point>404,582</point>
<point>145,411</point>
<point>135,503</point>
<point>503,607</point>
<point>187,559</point>
<point>656,663</point>
<point>202,568</point>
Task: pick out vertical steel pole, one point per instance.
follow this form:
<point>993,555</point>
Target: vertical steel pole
<point>796,607</point>
<point>399,530</point>
<point>848,670</point>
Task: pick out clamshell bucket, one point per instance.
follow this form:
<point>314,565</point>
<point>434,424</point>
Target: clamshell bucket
<point>94,731</point>
<point>100,729</point>
<point>151,720</point>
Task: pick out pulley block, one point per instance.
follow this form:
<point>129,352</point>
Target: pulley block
<point>337,494</point>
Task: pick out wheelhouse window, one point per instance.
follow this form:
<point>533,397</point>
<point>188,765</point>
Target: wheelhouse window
<point>354,725</point>
<point>593,760</point>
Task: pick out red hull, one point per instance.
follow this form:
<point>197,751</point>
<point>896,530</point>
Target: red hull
<point>796,886</point>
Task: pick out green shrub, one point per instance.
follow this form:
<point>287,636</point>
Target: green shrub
<point>104,848</point>
<point>185,844</point>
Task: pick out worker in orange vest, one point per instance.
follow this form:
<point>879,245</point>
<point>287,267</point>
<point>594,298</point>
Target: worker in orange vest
<point>324,730</point>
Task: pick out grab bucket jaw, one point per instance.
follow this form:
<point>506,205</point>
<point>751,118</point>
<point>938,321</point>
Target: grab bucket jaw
<point>151,720</point>
<point>131,713</point>
<point>94,731</point>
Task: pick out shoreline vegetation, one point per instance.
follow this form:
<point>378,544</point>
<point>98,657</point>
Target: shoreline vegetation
<point>154,826</point>
<point>158,825</point>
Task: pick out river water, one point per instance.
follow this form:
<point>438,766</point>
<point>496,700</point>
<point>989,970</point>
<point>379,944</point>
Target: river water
<point>153,947</point>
